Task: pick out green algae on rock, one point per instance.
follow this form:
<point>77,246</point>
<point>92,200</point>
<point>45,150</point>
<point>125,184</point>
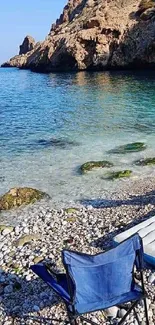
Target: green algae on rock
<point>95,164</point>
<point>20,196</point>
<point>145,162</point>
<point>119,174</point>
<point>129,147</point>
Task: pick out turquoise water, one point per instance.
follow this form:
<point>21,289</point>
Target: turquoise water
<point>51,124</point>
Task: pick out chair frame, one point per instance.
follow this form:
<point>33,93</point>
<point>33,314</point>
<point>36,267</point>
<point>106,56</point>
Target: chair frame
<point>72,315</point>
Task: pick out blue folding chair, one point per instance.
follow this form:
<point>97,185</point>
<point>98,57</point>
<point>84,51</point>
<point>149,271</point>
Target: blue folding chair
<point>97,282</point>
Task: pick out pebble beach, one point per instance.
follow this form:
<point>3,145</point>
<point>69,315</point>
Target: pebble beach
<point>39,232</point>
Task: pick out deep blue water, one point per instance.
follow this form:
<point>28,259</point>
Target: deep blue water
<point>52,123</point>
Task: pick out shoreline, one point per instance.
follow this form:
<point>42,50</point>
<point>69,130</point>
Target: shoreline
<point>127,191</point>
<point>88,229</point>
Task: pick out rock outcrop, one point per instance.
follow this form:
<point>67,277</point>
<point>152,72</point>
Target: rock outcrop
<point>96,34</point>
<point>27,45</point>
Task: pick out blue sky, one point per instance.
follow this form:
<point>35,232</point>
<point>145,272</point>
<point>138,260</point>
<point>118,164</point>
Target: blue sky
<point>19,18</point>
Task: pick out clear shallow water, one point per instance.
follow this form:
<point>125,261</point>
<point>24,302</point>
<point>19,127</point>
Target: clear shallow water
<point>51,124</point>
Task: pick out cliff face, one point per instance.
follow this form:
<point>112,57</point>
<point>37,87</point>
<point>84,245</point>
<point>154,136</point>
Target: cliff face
<point>96,34</point>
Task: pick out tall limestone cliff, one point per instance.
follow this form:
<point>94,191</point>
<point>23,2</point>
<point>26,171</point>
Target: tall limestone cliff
<point>96,34</point>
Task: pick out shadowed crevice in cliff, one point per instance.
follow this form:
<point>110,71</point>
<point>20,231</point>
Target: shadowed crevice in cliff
<point>60,60</point>
<point>64,61</point>
<point>77,10</point>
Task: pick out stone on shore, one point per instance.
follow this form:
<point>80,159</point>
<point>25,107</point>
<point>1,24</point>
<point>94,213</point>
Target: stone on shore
<point>112,312</point>
<point>26,240</point>
<point>20,196</point>
<point>88,166</point>
<point>71,210</point>
<point>38,259</point>
<point>4,228</point>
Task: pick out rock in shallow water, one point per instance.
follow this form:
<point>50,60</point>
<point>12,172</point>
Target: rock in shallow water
<point>95,164</point>
<point>61,143</point>
<point>127,148</point>
<point>20,196</point>
<point>119,174</point>
<point>145,162</point>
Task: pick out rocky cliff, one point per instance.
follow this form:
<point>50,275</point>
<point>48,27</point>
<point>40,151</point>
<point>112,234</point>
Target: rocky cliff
<point>27,45</point>
<point>96,34</point>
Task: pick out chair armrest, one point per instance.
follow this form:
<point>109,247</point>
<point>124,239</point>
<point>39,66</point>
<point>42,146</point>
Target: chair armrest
<point>41,270</point>
<point>50,269</point>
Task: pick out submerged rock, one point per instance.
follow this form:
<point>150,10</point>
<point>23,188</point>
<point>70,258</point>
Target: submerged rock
<point>60,143</point>
<point>95,164</point>
<point>20,196</point>
<point>145,162</point>
<point>129,147</point>
<point>119,174</point>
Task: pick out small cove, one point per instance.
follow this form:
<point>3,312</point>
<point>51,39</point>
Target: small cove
<point>51,124</point>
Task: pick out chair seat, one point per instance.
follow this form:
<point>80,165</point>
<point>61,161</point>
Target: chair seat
<point>100,305</point>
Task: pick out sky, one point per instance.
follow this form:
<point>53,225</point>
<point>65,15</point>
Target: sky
<point>19,18</point>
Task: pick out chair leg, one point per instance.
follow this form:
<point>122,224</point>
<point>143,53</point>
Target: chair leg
<point>146,312</point>
<point>72,321</point>
<point>88,320</point>
<point>138,321</point>
<point>128,312</point>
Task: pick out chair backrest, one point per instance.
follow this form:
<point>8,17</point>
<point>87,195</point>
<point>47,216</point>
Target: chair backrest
<point>104,276</point>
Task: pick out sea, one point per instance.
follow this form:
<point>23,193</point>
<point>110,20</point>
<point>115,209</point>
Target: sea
<point>50,124</point>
